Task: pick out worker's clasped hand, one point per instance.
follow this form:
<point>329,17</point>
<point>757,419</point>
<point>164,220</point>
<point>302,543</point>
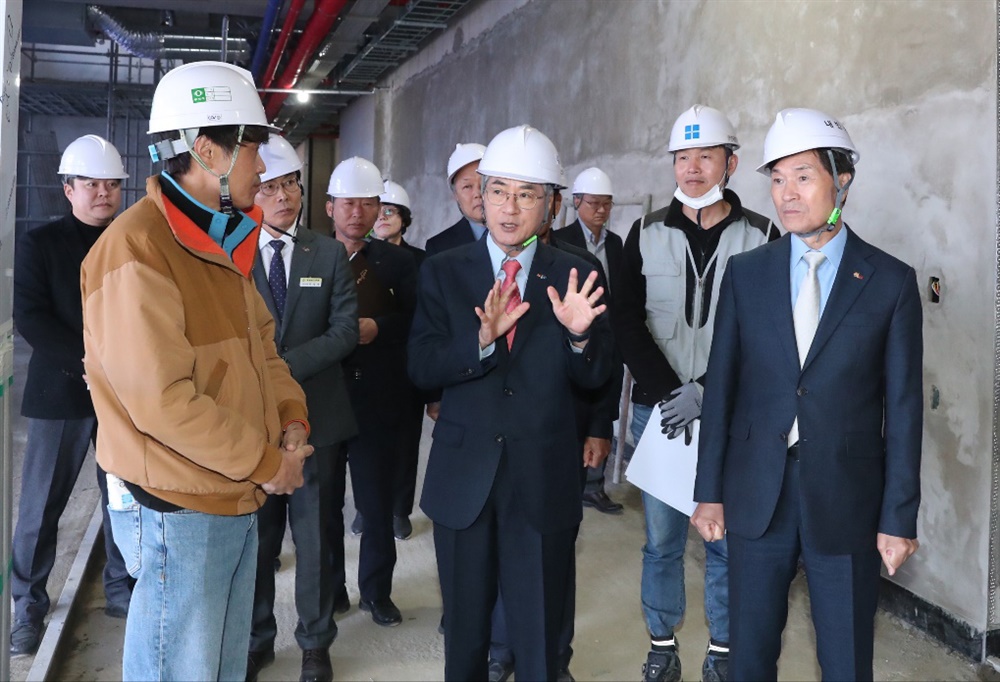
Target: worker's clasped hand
<point>294,450</point>
<point>494,318</point>
<point>578,308</point>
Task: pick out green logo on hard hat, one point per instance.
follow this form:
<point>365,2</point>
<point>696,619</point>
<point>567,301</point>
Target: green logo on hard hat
<point>216,93</point>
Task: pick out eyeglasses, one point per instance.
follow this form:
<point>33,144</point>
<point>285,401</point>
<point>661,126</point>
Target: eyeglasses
<point>270,188</point>
<point>389,211</point>
<point>595,205</point>
<point>525,199</point>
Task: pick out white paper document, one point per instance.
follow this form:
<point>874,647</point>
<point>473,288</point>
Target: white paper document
<point>666,468</point>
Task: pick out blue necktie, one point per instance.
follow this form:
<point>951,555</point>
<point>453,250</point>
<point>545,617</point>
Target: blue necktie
<point>276,279</point>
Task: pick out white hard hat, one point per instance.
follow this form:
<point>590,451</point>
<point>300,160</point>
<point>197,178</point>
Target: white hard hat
<point>395,194</point>
<point>280,158</point>
<point>702,126</point>
<point>355,178</point>
<point>523,153</point>
<point>799,130</point>
<point>463,155</point>
<point>91,156</point>
<point>205,94</point>
<point>593,181</point>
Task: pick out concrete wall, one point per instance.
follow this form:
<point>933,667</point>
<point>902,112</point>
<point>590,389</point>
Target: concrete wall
<point>914,82</point>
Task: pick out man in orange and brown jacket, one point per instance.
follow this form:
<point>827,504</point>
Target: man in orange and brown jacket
<point>199,415</point>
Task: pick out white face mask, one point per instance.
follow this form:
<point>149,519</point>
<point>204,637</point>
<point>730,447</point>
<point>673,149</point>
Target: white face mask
<point>707,199</point>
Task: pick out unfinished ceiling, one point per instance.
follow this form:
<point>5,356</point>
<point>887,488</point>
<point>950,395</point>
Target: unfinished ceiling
<point>86,59</point>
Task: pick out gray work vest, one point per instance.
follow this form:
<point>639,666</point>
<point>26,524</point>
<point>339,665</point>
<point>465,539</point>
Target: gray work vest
<point>664,250</point>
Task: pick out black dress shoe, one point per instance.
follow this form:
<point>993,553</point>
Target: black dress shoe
<point>25,638</point>
<point>600,501</point>
<point>383,611</point>
<point>316,666</point>
<point>256,660</point>
<point>341,603</point>
<point>401,527</point>
<point>357,525</point>
<point>499,671</point>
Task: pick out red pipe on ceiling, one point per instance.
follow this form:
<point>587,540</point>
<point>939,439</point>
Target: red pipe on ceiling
<point>320,23</point>
<point>279,48</point>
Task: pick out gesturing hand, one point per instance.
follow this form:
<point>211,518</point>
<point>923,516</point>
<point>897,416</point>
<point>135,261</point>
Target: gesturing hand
<point>576,310</point>
<point>494,320</point>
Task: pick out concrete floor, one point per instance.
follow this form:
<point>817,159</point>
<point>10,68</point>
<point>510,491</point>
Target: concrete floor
<point>611,640</point>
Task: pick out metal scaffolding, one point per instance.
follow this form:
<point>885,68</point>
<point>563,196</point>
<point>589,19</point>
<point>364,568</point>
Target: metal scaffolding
<point>123,101</point>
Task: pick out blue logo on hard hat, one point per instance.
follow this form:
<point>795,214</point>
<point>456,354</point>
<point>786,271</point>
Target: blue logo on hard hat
<point>692,132</point>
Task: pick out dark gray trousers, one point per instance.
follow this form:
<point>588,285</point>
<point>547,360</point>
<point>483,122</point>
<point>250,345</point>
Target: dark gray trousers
<point>54,455</point>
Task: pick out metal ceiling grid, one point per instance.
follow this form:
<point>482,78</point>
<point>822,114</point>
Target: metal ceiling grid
<point>393,33</point>
<point>82,99</point>
<point>404,37</point>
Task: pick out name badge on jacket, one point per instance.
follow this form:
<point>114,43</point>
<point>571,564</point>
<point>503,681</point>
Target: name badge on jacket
<point>310,282</point>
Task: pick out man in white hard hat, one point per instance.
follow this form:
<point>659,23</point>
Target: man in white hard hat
<point>60,414</point>
<point>812,422</point>
<point>593,199</point>
<point>465,188</point>
<point>394,217</point>
<point>306,282</point>
<point>503,479</point>
<point>385,277</point>
<point>596,411</point>
<point>665,299</point>
<point>200,418</point>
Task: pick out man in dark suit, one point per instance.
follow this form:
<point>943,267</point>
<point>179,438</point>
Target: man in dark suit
<point>593,199</point>
<point>812,420</point>
<point>465,187</point>
<point>61,423</point>
<point>305,280</point>
<point>502,483</point>
<point>385,278</point>
<point>596,411</point>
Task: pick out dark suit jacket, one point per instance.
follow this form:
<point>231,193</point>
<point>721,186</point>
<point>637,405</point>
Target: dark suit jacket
<point>458,234</point>
<point>418,254</point>
<point>383,361</point>
<point>597,409</point>
<point>318,330</point>
<point>858,399</point>
<point>516,403</point>
<point>573,234</point>
<point>48,312</point>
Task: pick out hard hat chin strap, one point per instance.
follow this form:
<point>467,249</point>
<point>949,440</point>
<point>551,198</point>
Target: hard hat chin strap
<point>838,205</point>
<point>831,222</point>
<point>225,198</point>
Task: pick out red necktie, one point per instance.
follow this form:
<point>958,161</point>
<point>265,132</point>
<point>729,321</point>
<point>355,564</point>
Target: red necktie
<point>510,269</point>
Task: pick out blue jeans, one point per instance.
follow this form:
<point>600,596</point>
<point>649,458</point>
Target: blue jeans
<point>663,598</point>
<point>193,599</point>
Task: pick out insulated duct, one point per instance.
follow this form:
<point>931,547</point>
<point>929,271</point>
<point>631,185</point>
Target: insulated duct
<point>154,45</point>
<point>148,45</point>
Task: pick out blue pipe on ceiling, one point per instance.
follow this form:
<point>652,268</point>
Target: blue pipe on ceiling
<point>260,51</point>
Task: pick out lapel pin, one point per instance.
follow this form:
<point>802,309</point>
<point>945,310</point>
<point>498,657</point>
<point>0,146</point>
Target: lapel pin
<point>305,248</point>
<point>540,275</point>
<point>858,275</point>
